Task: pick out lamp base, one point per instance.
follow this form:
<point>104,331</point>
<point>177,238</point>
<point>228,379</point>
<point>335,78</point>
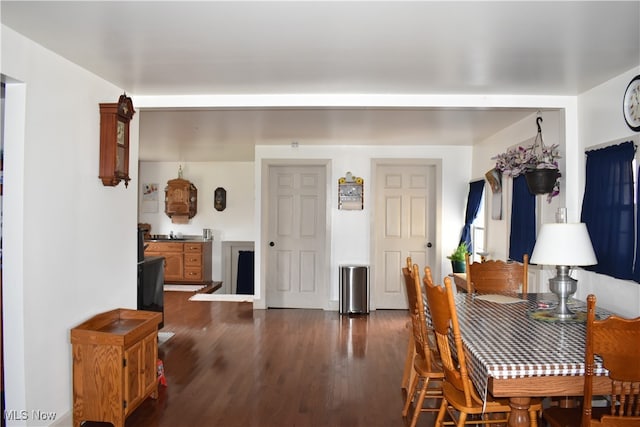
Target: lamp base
<point>563,286</point>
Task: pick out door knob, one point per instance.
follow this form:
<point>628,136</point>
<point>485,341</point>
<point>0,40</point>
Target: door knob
<point>272,244</point>
<point>428,245</point>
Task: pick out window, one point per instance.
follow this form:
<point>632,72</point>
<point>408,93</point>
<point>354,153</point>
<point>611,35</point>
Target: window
<point>608,209</point>
<point>478,240</point>
<point>474,203</point>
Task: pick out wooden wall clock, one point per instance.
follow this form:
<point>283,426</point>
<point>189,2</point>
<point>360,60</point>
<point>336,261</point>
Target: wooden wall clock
<point>114,141</point>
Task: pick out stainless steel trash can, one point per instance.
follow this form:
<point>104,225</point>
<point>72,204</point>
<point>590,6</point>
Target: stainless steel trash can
<point>354,289</point>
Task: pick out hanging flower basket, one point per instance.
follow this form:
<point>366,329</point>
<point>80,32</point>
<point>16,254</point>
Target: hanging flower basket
<point>541,181</point>
<point>537,162</point>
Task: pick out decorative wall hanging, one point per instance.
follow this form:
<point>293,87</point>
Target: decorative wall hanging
<point>494,178</point>
<point>114,141</point>
<point>220,199</point>
<point>180,200</point>
<point>537,162</point>
<point>350,192</point>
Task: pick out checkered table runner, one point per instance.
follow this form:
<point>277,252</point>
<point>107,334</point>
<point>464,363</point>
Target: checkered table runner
<point>502,341</point>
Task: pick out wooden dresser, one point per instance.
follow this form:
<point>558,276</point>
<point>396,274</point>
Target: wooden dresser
<point>185,261</point>
<point>114,365</point>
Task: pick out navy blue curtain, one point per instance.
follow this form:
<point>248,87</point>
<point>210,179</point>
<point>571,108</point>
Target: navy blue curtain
<point>244,281</point>
<point>522,238</point>
<point>636,266</point>
<point>473,206</point>
<point>608,209</point>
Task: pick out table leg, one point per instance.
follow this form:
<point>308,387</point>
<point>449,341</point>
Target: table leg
<point>519,416</point>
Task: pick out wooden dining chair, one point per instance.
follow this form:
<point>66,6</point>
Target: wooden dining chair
<point>461,401</point>
<point>609,421</point>
<point>407,374</point>
<point>427,376</point>
<point>617,342</point>
<point>497,276</point>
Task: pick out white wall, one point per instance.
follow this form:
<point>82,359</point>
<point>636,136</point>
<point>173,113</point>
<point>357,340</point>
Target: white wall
<point>235,223</point>
<point>69,243</point>
<point>601,122</point>
<point>349,232</point>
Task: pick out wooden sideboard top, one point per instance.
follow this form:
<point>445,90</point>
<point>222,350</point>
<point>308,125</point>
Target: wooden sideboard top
<point>118,327</point>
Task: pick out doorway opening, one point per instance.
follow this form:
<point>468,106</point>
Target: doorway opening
<point>237,267</point>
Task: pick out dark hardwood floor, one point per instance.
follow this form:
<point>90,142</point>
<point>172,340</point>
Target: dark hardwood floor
<point>229,365</point>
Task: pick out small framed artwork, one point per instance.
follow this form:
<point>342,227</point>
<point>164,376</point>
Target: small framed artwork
<point>350,192</point>
<point>149,198</point>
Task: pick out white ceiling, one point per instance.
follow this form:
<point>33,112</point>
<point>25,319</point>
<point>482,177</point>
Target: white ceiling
<point>332,47</point>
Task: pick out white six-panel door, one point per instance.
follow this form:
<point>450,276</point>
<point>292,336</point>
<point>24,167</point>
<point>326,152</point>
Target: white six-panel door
<point>405,217</point>
<point>296,263</point>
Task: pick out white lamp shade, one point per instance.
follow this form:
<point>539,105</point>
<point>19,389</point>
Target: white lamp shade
<point>563,244</point>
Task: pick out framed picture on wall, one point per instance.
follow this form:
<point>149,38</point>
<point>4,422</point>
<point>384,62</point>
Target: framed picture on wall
<point>350,192</point>
<point>149,198</point>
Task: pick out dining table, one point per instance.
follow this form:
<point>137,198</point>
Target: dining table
<point>517,349</point>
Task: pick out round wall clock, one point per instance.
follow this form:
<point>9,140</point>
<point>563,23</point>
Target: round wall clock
<point>631,104</point>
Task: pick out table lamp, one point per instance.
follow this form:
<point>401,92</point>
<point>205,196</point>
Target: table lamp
<point>564,245</point>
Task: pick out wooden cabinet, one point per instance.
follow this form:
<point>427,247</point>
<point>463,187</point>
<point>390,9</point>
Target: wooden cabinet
<point>188,262</point>
<point>140,372</point>
<point>193,262</point>
<point>114,365</point>
<point>180,200</point>
<point>173,254</point>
